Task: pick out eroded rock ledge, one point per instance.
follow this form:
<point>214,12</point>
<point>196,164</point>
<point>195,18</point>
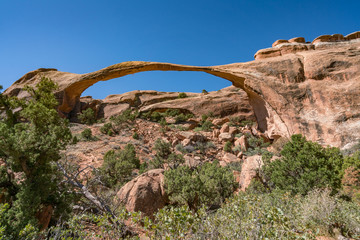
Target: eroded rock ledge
<point>314,91</point>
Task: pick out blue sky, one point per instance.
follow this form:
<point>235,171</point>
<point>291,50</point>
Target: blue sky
<point>84,36</point>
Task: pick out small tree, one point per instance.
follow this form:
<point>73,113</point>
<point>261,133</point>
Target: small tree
<point>118,166</point>
<point>305,165</point>
<point>88,116</point>
<point>30,143</point>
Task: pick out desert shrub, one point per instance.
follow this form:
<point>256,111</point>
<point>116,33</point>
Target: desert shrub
<point>107,129</point>
<point>203,146</point>
<point>165,155</point>
<point>87,116</point>
<point>172,112</point>
<point>228,146</point>
<point>118,166</point>
<point>206,126</point>
<point>204,91</point>
<point>135,135</point>
<point>162,148</point>
<point>183,117</point>
<point>257,146</point>
<point>208,184</point>
<point>204,117</point>
<point>234,121</point>
<point>126,117</point>
<point>86,134</point>
<point>305,165</point>
<point>182,95</point>
<point>156,116</point>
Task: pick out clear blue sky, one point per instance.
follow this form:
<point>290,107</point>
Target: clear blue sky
<point>84,36</point>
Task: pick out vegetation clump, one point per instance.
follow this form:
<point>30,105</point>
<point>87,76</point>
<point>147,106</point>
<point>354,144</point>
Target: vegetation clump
<point>118,166</point>
<point>30,143</point>
<point>87,116</point>
<point>207,184</point>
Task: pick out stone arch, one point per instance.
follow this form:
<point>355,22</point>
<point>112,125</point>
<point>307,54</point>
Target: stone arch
<point>72,92</point>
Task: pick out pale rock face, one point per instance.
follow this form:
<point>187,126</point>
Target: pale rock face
<point>224,137</point>
<point>145,193</point>
<point>224,128</point>
<point>295,87</point>
<point>229,157</point>
<point>220,122</point>
<point>242,142</point>
<point>248,170</point>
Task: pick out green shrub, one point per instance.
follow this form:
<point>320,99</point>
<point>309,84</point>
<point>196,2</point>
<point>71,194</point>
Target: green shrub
<point>208,184</point>
<point>126,117</point>
<point>135,135</point>
<point>228,146</point>
<point>107,129</point>
<point>118,166</point>
<point>204,91</point>
<point>182,95</point>
<point>86,134</point>
<point>183,117</point>
<point>164,155</point>
<point>162,148</point>
<point>305,165</point>
<point>206,126</point>
<point>87,116</point>
<point>204,117</point>
<point>156,116</point>
<point>172,112</point>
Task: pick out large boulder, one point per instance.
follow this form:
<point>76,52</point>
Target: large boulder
<point>249,170</point>
<point>145,193</point>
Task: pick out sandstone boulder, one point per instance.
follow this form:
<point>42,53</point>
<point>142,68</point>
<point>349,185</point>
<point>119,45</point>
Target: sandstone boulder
<point>220,122</point>
<point>145,193</point>
<point>229,158</point>
<point>249,170</point>
<point>224,128</point>
<point>242,142</point>
<point>224,137</point>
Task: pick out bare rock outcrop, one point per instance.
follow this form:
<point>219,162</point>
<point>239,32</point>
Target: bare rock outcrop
<point>295,87</point>
<point>249,170</point>
<point>145,193</point>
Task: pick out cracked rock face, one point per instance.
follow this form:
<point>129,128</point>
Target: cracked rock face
<point>312,89</point>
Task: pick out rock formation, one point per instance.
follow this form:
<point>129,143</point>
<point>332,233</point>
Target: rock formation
<point>294,87</point>
<point>145,193</point>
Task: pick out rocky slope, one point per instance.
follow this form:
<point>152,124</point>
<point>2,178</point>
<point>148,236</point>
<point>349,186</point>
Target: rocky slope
<point>294,87</point>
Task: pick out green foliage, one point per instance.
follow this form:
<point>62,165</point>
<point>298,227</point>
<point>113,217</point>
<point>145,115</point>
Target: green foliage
<point>156,116</point>
<point>305,165</point>
<point>135,135</point>
<point>30,145</point>
<point>256,146</point>
<point>228,146</point>
<point>86,134</point>
<point>183,117</point>
<point>107,129</point>
<point>87,116</point>
<point>262,216</point>
<point>118,166</point>
<point>204,117</point>
<point>164,155</point>
<point>126,117</point>
<point>206,126</point>
<point>204,91</point>
<point>208,184</point>
<point>182,95</point>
